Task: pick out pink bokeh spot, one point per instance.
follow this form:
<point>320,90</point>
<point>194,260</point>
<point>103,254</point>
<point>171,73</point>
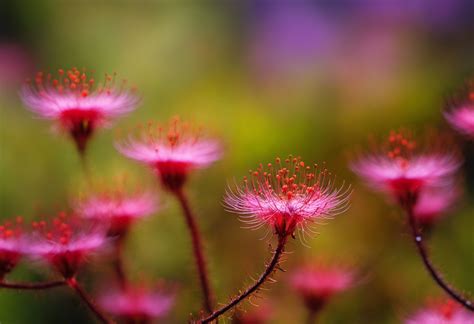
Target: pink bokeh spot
<point>317,283</point>
<point>137,304</point>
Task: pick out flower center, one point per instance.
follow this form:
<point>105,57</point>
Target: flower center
<point>287,180</point>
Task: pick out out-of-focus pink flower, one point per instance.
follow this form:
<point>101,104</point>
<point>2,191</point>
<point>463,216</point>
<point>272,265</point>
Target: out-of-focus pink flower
<point>257,315</point>
<point>287,196</point>
<point>117,209</point>
<point>77,102</point>
<point>137,304</point>
<point>446,313</point>
<point>66,243</point>
<point>15,64</point>
<point>172,151</point>
<point>433,203</point>
<point>461,113</point>
<point>317,283</point>
<point>12,245</point>
<point>402,168</point>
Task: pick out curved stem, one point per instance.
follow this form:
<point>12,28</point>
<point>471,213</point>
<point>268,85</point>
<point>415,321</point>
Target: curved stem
<point>197,249</point>
<point>417,237</point>
<point>256,285</point>
<point>32,286</point>
<point>88,301</point>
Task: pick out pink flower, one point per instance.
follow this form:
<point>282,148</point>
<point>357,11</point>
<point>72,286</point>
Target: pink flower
<point>433,203</point>
<point>173,151</point>
<point>117,209</point>
<point>77,103</point>
<point>461,113</point>
<point>402,168</point>
<point>257,315</point>
<point>447,313</point>
<point>317,283</point>
<point>66,244</point>
<point>137,304</point>
<point>287,196</point>
<point>12,245</point>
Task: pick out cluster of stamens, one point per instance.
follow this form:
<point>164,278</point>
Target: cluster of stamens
<point>400,147</point>
<point>75,81</point>
<point>287,179</point>
<point>59,230</point>
<point>11,229</point>
<point>173,134</point>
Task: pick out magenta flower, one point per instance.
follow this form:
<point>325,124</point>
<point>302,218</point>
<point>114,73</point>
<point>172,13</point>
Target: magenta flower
<point>257,315</point>
<point>317,283</point>
<point>12,245</point>
<point>461,113</point>
<point>137,304</point>
<point>434,203</point>
<point>447,313</point>
<point>117,209</point>
<point>402,168</point>
<point>77,103</point>
<point>66,243</point>
<point>172,151</point>
<point>287,196</point>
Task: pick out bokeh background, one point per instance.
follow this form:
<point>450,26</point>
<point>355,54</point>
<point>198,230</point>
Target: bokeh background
<point>271,78</point>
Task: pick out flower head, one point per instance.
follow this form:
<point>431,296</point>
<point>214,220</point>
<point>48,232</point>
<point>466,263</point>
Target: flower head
<point>287,196</point>
<point>257,315</point>
<point>12,245</point>
<point>317,283</point>
<point>433,203</point>
<point>442,313</point>
<point>403,168</point>
<point>137,304</point>
<point>461,112</point>
<point>66,242</point>
<point>77,102</point>
<point>117,208</point>
<point>172,151</point>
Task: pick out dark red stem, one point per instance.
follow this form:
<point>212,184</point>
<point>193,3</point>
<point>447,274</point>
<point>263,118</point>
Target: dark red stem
<point>32,286</point>
<point>256,285</point>
<point>118,264</point>
<point>422,250</point>
<point>88,301</point>
<point>197,249</point>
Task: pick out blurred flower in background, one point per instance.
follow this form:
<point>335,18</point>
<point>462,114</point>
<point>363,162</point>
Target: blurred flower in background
<point>16,63</point>
<point>137,304</point>
<point>442,313</point>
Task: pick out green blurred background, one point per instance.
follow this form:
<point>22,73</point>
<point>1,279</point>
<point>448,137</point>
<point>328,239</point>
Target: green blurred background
<point>270,78</point>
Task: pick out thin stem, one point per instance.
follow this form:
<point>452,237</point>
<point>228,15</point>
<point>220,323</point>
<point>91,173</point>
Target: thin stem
<point>85,166</point>
<point>32,286</point>
<point>311,317</point>
<point>256,285</point>
<point>422,250</point>
<point>197,249</point>
<point>88,301</point>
